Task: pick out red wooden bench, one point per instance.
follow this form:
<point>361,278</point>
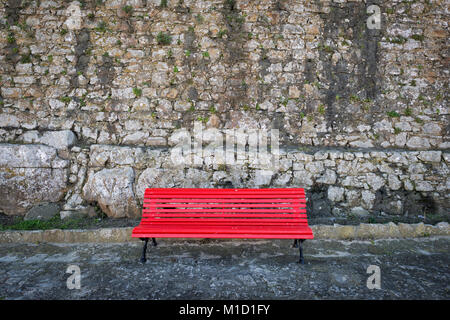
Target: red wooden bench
<point>224,213</point>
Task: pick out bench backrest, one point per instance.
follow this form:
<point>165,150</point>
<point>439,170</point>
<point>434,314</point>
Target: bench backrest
<point>237,206</point>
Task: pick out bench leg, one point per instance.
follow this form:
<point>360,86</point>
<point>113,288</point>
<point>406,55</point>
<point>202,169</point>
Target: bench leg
<point>295,245</point>
<point>154,242</point>
<point>143,259</point>
<point>301,261</point>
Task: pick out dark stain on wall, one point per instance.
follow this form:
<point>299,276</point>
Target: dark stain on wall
<point>348,22</point>
<point>82,58</point>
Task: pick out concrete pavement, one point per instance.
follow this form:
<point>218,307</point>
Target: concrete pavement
<point>219,269</point>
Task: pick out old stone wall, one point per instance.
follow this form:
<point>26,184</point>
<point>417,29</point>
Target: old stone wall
<point>92,93</point>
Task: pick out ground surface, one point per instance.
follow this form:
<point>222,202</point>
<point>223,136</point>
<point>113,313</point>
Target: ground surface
<point>217,269</point>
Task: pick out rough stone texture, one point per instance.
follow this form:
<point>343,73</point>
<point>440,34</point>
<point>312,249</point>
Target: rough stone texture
<point>29,175</point>
<point>112,189</point>
<point>57,139</point>
<point>362,113</point>
<point>43,211</point>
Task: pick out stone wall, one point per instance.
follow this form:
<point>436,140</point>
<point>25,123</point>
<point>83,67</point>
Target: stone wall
<point>92,93</point>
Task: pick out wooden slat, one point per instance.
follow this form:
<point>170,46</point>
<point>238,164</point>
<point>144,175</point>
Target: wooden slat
<point>220,205</point>
<point>212,200</point>
<point>187,211</point>
<point>225,196</point>
<point>174,228</point>
<point>305,235</point>
<point>224,213</point>
<point>225,232</point>
<point>223,191</point>
<point>230,222</point>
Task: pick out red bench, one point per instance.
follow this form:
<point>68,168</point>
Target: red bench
<point>224,213</point>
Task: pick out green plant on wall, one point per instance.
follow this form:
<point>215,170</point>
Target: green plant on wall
<point>65,99</point>
<point>393,114</point>
<point>26,58</point>
<point>101,26</point>
<point>137,92</point>
<point>202,119</point>
<point>163,38</point>
<point>321,109</point>
<point>127,9</point>
<point>11,39</point>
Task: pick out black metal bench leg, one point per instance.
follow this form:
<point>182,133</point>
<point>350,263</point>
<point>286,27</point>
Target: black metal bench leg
<point>295,245</point>
<point>154,242</point>
<point>143,259</point>
<point>301,261</point>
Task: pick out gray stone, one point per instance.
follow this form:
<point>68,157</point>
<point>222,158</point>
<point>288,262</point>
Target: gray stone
<point>21,188</point>
<point>283,179</point>
<point>416,168</point>
<point>336,194</point>
<point>42,211</point>
<point>58,139</point>
<point>431,128</point>
<point>164,106</point>
<point>368,199</point>
<point>314,167</point>
<point>352,181</point>
<point>418,143</point>
<point>374,181</point>
<point>158,178</point>
<point>353,197</point>
<point>68,214</point>
<point>400,139</point>
<point>112,189</point>
<point>29,175</point>
<point>361,144</point>
<point>27,156</point>
<point>403,126</point>
<point>430,156</point>
<point>155,141</point>
<point>182,106</point>
<point>9,120</point>
<point>122,156</point>
<point>302,178</point>
<point>196,178</point>
<point>321,155</point>
<point>136,138</point>
<point>393,182</point>
<point>424,186</point>
<point>262,178</point>
<point>122,93</point>
<point>359,211</point>
<point>220,177</point>
<point>329,177</point>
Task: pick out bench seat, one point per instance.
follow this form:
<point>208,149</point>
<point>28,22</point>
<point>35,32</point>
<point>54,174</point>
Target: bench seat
<point>223,231</point>
<point>224,213</point>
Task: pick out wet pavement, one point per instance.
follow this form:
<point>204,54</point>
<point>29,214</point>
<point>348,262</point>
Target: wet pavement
<point>237,269</point>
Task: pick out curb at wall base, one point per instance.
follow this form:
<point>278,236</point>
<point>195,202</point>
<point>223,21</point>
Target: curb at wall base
<point>362,231</point>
